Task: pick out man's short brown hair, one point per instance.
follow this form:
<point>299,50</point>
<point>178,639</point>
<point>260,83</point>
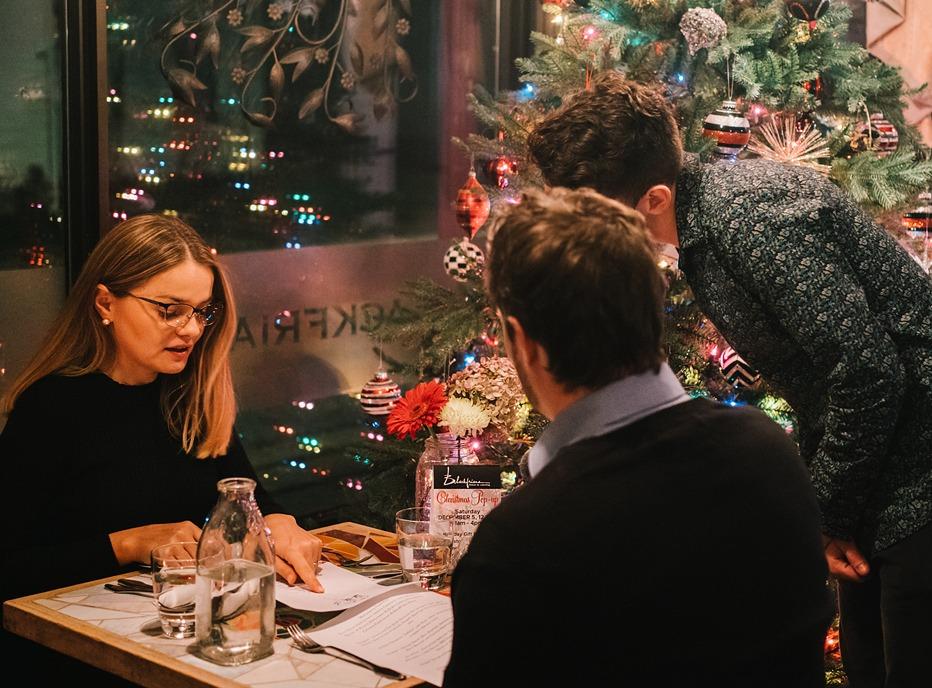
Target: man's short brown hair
<point>619,138</point>
<point>576,269</point>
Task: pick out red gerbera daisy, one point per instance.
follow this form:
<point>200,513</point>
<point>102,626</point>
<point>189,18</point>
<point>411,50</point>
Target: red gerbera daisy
<point>418,408</point>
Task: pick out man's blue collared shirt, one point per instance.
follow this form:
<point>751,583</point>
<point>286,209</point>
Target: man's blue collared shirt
<point>606,409</point>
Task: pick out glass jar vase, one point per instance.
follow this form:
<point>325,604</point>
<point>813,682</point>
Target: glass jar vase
<point>444,448</point>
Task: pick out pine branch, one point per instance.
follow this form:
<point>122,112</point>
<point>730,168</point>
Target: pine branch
<point>886,182</point>
<point>444,322</point>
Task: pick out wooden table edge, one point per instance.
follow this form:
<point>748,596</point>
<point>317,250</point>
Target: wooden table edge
<point>103,649</point>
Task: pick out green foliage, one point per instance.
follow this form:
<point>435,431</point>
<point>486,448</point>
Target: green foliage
<point>773,58</point>
<point>889,181</point>
<point>442,322</point>
<point>389,483</point>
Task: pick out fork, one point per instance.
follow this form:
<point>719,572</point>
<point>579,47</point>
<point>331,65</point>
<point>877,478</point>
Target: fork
<point>308,644</point>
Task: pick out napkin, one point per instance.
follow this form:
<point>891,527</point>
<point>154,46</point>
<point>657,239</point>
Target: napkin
<point>177,596</point>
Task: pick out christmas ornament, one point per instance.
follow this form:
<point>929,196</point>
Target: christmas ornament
<point>803,33</point>
<point>736,370</point>
<point>730,130</point>
<point>783,140</point>
<point>919,220</point>
<point>501,168</point>
<point>814,86</point>
<point>833,644</point>
<point>379,395</point>
<point>808,10</point>
<point>878,135</point>
<point>703,28</point>
<point>757,113</point>
<point>917,223</point>
<point>463,259</point>
<point>472,206</point>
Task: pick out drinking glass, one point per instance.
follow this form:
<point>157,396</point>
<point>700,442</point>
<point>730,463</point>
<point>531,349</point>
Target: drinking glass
<point>424,547</point>
<point>174,568</point>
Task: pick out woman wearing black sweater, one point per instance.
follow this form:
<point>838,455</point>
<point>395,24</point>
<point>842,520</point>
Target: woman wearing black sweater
<point>121,426</point>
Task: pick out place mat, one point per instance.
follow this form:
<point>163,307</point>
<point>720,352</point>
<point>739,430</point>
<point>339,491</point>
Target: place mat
<point>354,546</point>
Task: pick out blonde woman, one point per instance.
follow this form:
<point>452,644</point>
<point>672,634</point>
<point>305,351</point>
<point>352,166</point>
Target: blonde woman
<point>121,426</point>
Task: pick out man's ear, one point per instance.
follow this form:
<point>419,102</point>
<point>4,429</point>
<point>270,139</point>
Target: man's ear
<point>528,350</point>
<point>656,200</point>
<point>103,302</point>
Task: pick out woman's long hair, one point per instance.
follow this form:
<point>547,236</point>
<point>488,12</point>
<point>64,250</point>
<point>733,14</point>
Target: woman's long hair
<point>198,403</point>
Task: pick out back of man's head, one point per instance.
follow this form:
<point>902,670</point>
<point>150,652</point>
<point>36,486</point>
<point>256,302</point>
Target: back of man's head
<point>577,271</point>
<point>619,137</point>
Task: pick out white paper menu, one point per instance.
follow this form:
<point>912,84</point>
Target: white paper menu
<point>408,629</point>
<point>342,589</point>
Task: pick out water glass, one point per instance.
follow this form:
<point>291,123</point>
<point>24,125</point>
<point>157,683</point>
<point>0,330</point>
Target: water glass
<point>424,548</point>
<point>174,568</point>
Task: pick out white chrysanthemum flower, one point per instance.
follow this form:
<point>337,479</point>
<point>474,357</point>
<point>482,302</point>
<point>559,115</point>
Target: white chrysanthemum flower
<point>493,384</point>
<point>462,417</point>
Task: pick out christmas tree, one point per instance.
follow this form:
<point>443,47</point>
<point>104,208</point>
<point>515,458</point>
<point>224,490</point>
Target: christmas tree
<point>807,95</point>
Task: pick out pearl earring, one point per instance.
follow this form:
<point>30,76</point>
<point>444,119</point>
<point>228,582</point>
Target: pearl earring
<point>106,321</point>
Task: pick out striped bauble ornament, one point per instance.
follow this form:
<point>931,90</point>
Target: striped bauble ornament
<point>379,395</point>
<point>730,130</point>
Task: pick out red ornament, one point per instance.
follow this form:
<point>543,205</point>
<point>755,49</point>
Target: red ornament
<point>472,206</point>
<point>756,113</point>
<point>814,86</point>
<point>880,135</point>
<point>832,644</point>
<point>502,168</point>
<point>919,219</point>
<point>729,129</point>
<point>379,395</point>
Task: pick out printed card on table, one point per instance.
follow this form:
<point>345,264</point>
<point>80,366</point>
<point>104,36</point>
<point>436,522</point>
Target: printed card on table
<point>463,494</point>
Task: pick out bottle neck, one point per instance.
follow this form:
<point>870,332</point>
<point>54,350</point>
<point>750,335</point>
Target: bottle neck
<point>236,488</point>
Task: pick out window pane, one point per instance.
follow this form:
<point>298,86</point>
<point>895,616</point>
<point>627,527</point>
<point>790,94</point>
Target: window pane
<point>304,182</point>
<point>32,234</point>
<point>319,226</point>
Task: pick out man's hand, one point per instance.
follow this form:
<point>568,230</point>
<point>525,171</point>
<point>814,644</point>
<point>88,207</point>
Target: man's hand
<point>296,551</point>
<point>845,561</point>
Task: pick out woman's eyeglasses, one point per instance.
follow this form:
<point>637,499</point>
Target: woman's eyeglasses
<point>178,315</point>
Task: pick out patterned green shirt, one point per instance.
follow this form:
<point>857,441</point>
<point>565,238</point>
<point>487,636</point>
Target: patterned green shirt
<point>838,318</point>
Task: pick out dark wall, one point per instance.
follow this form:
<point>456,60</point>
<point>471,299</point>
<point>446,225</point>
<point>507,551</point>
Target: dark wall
<point>856,27</point>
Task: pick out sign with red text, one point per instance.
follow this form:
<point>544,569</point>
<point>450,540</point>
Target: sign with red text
<point>462,495</point>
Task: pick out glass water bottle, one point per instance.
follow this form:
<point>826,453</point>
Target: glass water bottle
<point>235,584</point>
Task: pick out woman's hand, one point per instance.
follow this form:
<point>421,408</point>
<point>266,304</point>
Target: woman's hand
<point>136,544</point>
<point>296,551</point>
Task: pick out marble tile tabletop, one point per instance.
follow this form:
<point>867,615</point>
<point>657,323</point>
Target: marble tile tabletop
<point>134,618</point>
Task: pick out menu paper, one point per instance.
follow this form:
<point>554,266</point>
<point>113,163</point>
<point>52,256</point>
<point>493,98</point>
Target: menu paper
<point>342,589</point>
<point>463,494</point>
<point>407,629</point>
